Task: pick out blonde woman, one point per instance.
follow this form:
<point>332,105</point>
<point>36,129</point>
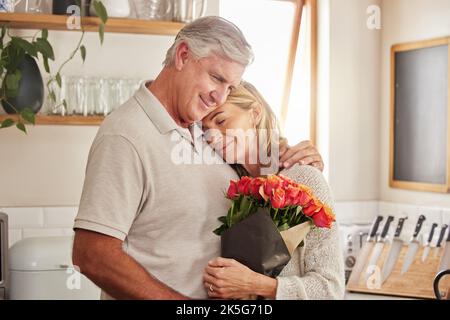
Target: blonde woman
<point>316,270</point>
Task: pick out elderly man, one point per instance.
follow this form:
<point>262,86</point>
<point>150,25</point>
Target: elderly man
<point>144,226</point>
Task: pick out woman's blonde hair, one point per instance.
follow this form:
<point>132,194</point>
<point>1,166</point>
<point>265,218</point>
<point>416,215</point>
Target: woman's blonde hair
<point>247,97</point>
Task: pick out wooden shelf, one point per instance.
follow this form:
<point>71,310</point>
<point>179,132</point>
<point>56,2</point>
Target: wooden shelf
<point>62,120</point>
<point>115,25</point>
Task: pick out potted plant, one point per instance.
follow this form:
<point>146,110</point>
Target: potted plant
<point>22,90</point>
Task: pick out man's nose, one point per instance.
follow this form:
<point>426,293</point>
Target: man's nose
<point>219,96</point>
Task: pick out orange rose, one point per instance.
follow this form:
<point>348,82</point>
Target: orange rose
<point>232,192</point>
<point>278,198</point>
<point>312,207</point>
<point>324,218</point>
<point>272,182</point>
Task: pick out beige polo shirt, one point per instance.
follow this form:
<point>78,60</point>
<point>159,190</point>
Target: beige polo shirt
<point>145,184</point>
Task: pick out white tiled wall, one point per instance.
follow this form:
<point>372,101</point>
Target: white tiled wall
<point>58,221</point>
<point>39,222</point>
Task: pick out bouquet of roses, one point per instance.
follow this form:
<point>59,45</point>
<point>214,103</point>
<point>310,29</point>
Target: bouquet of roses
<point>268,219</point>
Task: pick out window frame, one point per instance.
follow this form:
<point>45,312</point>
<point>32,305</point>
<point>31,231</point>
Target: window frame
<point>310,7</point>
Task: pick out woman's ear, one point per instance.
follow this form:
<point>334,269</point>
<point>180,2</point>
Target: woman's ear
<point>181,55</point>
<point>257,114</point>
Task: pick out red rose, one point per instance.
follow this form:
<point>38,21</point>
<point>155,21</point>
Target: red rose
<point>272,182</point>
<point>243,186</point>
<point>255,186</point>
<point>324,218</point>
<point>303,198</point>
<point>232,192</point>
<point>286,181</point>
<point>292,193</point>
<point>278,198</point>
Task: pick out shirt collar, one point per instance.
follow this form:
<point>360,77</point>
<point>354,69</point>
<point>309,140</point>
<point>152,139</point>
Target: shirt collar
<point>156,112</point>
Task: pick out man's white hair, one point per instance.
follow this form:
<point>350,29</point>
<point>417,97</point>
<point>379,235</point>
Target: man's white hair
<point>213,35</point>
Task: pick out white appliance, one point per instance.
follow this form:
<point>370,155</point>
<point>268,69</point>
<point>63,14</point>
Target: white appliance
<point>41,268</point>
<point>3,256</point>
<point>352,236</point>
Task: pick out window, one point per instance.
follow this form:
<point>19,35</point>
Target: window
<point>282,34</point>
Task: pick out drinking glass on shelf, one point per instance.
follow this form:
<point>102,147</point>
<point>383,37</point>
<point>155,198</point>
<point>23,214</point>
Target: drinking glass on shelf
<point>33,6</point>
<point>153,9</point>
<point>103,107</point>
<point>29,6</point>
<point>80,87</point>
<point>92,95</point>
<point>114,96</point>
<point>71,94</point>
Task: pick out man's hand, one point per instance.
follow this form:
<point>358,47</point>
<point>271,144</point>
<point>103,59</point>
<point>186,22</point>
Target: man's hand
<point>304,153</point>
<point>102,259</point>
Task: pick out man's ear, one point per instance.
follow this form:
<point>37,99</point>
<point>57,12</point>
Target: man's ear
<point>257,114</point>
<point>181,55</point>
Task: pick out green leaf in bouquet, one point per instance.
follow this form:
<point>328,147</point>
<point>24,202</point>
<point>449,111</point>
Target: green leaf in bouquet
<point>223,219</point>
<point>230,214</point>
<point>244,207</point>
<point>283,227</point>
<point>220,230</point>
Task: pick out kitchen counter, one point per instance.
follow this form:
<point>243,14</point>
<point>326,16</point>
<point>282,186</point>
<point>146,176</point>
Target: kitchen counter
<point>362,296</point>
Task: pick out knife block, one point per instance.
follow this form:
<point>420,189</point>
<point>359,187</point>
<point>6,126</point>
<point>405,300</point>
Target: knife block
<point>417,282</point>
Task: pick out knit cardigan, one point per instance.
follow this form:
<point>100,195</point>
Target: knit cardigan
<point>316,270</point>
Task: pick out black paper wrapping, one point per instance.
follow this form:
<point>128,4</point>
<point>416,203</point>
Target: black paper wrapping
<point>256,243</point>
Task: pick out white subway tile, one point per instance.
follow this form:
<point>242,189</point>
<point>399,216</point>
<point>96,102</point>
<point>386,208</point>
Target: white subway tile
<point>389,208</point>
<point>59,217</point>
<point>68,232</point>
<point>446,216</point>
<point>358,212</point>
<point>25,217</point>
<point>43,232</point>
<point>14,235</point>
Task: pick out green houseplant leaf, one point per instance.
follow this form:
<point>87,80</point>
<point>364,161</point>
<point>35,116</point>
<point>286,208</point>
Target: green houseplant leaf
<point>14,51</point>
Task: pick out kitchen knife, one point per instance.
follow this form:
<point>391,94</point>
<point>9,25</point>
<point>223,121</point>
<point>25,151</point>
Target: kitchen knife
<point>438,248</point>
<point>426,251</point>
<point>378,248</point>
<point>394,251</point>
<point>445,260</point>
<point>364,253</point>
<point>413,245</point>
